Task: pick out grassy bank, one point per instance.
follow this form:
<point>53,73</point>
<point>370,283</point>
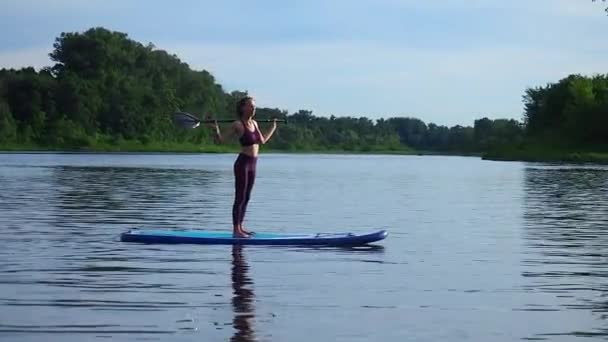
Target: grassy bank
<point>173,147</point>
<point>527,152</point>
<point>545,153</point>
<point>126,146</point>
<point>107,144</point>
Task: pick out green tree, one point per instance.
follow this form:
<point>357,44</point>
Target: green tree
<point>8,126</point>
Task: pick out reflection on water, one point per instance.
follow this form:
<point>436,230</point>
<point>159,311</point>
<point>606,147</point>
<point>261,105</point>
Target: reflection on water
<point>242,301</point>
<point>157,196</point>
<point>478,251</point>
<point>65,270</point>
<point>243,296</point>
<point>566,232</point>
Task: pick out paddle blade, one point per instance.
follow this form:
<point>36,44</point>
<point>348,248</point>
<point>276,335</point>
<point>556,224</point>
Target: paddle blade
<point>186,120</point>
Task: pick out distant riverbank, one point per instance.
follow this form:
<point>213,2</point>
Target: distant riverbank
<point>134,147</point>
<point>538,153</point>
<point>137,147</point>
<point>527,153</point>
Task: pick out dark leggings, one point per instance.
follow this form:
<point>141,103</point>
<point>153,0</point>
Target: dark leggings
<point>244,175</point>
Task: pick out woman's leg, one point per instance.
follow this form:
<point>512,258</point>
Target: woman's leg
<point>250,182</point>
<point>240,194</point>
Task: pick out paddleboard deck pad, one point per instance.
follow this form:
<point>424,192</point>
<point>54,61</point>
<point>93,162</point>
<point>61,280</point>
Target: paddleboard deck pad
<point>225,238</point>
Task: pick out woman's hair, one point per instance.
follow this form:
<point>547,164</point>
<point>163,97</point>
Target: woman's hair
<point>240,104</point>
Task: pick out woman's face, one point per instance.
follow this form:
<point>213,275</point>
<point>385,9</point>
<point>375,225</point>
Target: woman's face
<point>249,108</point>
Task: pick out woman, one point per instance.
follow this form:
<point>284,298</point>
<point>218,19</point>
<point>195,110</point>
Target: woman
<point>250,138</point>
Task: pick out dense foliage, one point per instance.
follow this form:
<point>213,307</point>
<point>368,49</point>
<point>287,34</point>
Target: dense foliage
<point>573,111</point>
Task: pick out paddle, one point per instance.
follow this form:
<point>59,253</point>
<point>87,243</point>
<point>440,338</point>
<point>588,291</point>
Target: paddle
<point>187,120</point>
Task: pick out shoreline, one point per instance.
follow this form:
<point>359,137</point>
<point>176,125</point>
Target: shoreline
<point>532,154</point>
<point>536,155</point>
<point>207,150</point>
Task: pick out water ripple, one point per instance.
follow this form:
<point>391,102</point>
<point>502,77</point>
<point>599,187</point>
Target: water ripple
<point>477,250</point>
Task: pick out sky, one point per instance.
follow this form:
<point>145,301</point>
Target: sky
<point>446,62</point>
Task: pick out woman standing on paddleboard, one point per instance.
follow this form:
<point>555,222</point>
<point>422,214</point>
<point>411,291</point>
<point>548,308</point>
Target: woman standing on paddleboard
<point>250,137</point>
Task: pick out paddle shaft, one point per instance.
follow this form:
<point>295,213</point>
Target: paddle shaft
<point>231,120</point>
<point>188,120</point>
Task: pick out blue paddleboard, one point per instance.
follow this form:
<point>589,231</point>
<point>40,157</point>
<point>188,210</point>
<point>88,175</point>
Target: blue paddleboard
<point>225,238</point>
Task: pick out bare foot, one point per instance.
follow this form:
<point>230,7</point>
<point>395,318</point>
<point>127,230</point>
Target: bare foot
<point>240,234</point>
<point>246,231</point>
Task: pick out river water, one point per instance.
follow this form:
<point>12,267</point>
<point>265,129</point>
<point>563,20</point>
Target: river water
<point>477,250</point>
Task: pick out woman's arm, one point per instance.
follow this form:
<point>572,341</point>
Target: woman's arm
<point>270,132</point>
<point>234,131</point>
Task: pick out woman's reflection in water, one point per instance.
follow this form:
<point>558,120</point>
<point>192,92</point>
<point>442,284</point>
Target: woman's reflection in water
<point>242,301</point>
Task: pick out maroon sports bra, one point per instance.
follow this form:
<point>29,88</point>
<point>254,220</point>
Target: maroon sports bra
<point>249,138</point>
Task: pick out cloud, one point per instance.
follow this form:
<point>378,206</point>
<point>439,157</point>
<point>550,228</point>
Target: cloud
<point>361,78</point>
<point>36,57</point>
<point>541,8</point>
<point>45,7</point>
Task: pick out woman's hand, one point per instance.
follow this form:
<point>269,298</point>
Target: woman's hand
<point>212,124</point>
<point>270,132</point>
<point>215,127</point>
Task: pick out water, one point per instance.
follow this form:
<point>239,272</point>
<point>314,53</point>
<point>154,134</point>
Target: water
<point>477,251</point>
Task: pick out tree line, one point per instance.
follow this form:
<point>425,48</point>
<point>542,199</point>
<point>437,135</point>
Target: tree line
<point>106,90</point>
<point>573,111</point>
